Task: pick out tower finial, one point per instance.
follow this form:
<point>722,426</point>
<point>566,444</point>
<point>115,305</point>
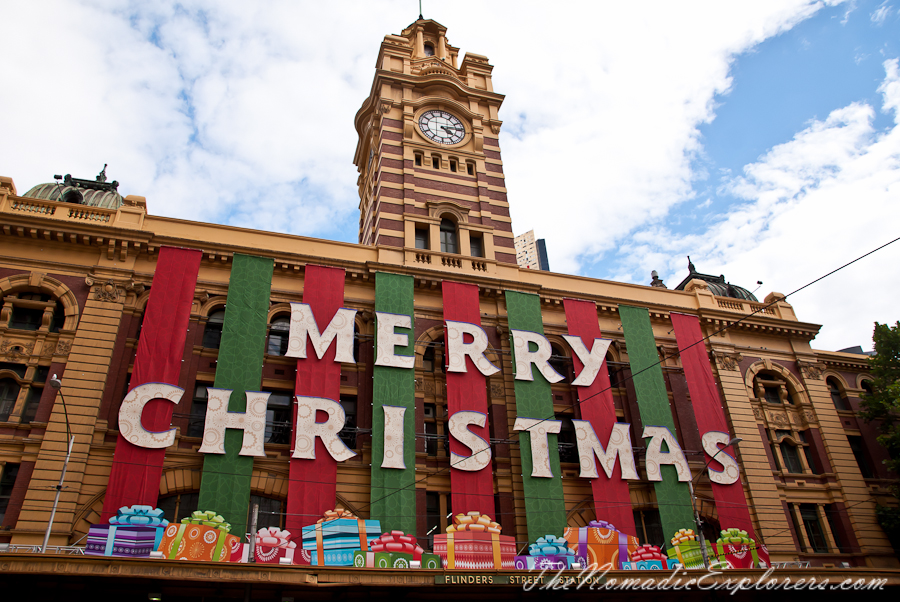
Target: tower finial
<point>420,11</point>
<point>691,267</point>
<point>101,177</point>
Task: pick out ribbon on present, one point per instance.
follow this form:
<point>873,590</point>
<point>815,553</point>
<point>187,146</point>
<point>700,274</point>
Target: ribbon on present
<point>139,516</point>
<point>110,538</point>
<point>647,552</point>
<point>273,537</point>
<point>550,545</point>
<point>474,521</point>
<point>208,518</point>
<point>397,541</point>
<point>331,515</point>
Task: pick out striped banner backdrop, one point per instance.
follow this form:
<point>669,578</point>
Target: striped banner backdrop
<point>136,471</point>
<point>545,508</point>
<point>225,484</point>
<point>673,497</point>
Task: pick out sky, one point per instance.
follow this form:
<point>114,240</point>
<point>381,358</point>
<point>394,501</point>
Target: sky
<point>761,138</point>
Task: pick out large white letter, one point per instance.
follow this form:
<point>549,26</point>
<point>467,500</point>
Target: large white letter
<point>386,339</point>
<point>303,325</point>
<point>252,422</point>
<point>308,429</point>
<point>133,406</point>
<point>731,472</point>
<point>619,445</point>
<point>481,450</point>
<point>656,457</point>
<point>540,446</point>
<point>525,357</point>
<point>393,437</point>
<point>457,350</point>
<point>592,360</point>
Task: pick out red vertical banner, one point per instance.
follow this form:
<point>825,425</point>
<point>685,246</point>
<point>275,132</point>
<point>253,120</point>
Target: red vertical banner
<point>136,471</point>
<point>612,502</point>
<point>467,392</point>
<point>313,483</point>
<point>731,505</point>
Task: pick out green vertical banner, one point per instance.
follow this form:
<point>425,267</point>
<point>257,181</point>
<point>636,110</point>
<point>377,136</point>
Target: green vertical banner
<point>393,491</point>
<point>545,506</point>
<point>672,496</point>
<point>225,484</point>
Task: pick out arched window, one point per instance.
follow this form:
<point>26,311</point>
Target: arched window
<point>772,388</point>
<point>559,362</point>
<point>9,392</point>
<point>836,396</point>
<point>212,336</point>
<point>28,311</point>
<point>791,457</point>
<point>429,49</point>
<point>279,330</point>
<point>448,236</point>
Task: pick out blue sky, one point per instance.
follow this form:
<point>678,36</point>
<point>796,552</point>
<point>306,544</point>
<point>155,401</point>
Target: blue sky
<point>759,137</point>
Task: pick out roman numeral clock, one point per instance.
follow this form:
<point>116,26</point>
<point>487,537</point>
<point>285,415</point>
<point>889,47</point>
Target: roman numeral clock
<point>441,127</point>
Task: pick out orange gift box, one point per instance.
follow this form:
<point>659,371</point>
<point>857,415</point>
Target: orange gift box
<point>600,546</point>
<point>197,542</point>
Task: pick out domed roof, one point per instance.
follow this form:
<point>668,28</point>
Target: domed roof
<point>92,193</point>
<point>717,285</point>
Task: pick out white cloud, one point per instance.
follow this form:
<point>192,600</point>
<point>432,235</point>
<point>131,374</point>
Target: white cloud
<point>880,14</point>
<point>813,203</point>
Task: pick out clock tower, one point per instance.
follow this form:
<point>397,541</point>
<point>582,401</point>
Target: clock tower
<point>430,176</point>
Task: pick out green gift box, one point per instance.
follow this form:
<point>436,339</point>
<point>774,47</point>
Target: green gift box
<point>688,553</point>
<point>431,561</point>
<point>392,560</point>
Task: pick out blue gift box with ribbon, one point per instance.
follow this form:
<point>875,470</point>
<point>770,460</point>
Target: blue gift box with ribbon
<point>548,552</point>
<point>134,532</point>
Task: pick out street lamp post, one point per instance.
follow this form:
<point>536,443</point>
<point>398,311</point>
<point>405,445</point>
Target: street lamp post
<point>697,520</point>
<point>57,384</point>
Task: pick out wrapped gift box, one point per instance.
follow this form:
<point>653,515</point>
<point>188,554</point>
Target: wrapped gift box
<point>120,540</point>
<point>273,544</point>
<point>334,538</point>
<point>430,561</point>
<point>600,545</point>
<point>396,541</point>
<point>688,554</point>
<point>651,565</point>
<point>548,552</point>
<point>737,550</point>
<point>364,559</point>
<point>474,542</point>
<point>135,531</point>
<point>196,539</point>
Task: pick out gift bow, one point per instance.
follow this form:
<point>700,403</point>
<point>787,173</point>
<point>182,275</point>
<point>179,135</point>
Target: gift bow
<point>473,521</point>
<point>683,535</point>
<point>647,552</point>
<point>550,545</point>
<point>144,516</point>
<point>274,537</point>
<point>397,537</point>
<point>336,514</point>
<point>734,536</point>
<point>208,518</point>
<point>602,524</point>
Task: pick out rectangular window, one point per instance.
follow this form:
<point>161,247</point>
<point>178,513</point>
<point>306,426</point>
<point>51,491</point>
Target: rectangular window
<point>772,395</point>
<point>648,525</point>
<point>452,165</point>
<point>791,458</point>
<point>348,433</point>
<point>833,524</point>
<point>26,318</point>
<point>418,160</point>
<point>31,404</point>
<point>432,515</point>
<point>198,411</point>
<point>436,162</point>
<point>9,392</point>
<point>476,246</point>
<point>431,438</point>
<point>470,169</point>
<point>810,517</point>
<point>808,452</point>
<point>422,238</point>
<point>278,417</point>
<point>797,529</point>
<point>568,448</point>
<point>269,515</point>
<point>862,458</point>
<point>7,482</point>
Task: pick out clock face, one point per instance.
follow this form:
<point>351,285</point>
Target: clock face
<point>441,127</point>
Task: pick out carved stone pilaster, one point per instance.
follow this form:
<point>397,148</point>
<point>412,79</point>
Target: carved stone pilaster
<point>727,361</point>
<point>811,370</point>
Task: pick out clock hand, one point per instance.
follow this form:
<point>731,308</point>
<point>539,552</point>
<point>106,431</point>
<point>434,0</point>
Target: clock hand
<point>444,127</point>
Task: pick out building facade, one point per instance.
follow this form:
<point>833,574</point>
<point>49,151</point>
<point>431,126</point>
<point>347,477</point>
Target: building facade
<point>80,264</point>
<point>531,252</point>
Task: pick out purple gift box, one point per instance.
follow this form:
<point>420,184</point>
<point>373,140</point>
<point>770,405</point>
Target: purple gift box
<point>121,540</point>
